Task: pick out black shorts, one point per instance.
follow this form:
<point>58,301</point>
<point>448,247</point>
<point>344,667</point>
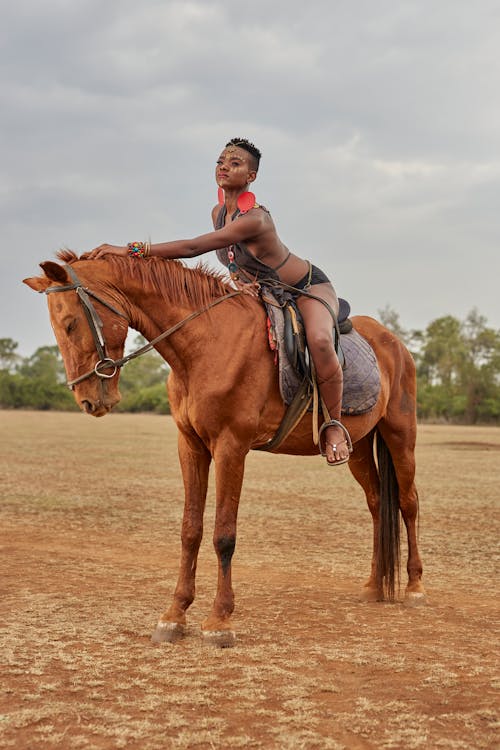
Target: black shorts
<point>312,277</point>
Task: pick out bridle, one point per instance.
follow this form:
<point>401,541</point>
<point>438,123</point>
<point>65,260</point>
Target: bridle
<point>96,327</point>
<point>95,324</point>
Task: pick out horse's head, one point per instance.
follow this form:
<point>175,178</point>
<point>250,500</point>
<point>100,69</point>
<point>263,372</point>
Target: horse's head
<point>90,331</point>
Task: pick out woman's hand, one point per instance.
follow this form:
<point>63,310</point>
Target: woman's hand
<point>252,289</point>
<point>102,250</point>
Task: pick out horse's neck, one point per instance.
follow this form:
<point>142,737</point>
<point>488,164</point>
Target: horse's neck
<point>153,313</point>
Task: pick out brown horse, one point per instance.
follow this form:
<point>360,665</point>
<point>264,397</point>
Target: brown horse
<point>225,400</point>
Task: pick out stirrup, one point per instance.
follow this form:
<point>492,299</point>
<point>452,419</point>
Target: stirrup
<point>335,423</point>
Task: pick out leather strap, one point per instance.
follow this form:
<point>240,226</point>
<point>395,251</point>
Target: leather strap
<point>292,417</point>
<point>96,326</point>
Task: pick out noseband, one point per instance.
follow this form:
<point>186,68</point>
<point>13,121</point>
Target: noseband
<point>96,327</point>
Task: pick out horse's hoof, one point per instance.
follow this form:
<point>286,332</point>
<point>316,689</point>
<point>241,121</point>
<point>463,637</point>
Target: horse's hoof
<point>168,632</point>
<point>219,638</point>
<point>415,599</point>
<point>370,595</point>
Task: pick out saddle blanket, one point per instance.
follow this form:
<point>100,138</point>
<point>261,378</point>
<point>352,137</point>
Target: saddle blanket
<point>361,373</point>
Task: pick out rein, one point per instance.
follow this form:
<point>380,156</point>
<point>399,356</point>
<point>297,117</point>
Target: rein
<point>96,327</point>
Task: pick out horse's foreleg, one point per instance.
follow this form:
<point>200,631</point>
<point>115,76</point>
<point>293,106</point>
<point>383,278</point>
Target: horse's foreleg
<point>229,468</point>
<point>363,468</point>
<point>195,463</point>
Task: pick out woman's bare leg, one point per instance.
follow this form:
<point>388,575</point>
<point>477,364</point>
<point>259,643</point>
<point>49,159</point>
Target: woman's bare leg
<point>319,332</point>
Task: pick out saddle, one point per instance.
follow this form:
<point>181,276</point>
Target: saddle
<point>297,379</point>
<point>295,339</point>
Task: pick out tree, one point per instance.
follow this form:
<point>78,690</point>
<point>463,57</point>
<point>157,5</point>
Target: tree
<point>481,374</point>
<point>390,319</point>
<point>459,370</point>
<point>443,352</point>
<point>142,382</point>
<point>41,381</point>
<point>8,357</point>
<point>46,363</point>
<point>411,338</point>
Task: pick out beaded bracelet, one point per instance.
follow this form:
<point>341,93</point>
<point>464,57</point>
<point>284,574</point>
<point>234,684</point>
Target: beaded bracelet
<point>139,249</point>
<point>136,249</point>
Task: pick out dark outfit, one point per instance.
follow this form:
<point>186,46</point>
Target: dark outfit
<point>312,277</point>
<point>253,268</point>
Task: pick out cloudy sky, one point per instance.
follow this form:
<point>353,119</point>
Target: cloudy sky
<point>379,124</point>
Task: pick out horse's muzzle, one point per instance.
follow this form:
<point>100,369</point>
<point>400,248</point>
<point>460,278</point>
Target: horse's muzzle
<point>97,408</point>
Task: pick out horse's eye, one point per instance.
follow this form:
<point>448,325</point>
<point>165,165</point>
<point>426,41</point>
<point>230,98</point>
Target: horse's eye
<point>71,325</point>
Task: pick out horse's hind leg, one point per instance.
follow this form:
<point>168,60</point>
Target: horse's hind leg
<point>364,470</point>
<point>399,436</point>
<point>195,463</point>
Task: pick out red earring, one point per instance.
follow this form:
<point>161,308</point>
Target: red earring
<point>245,202</point>
<point>221,197</point>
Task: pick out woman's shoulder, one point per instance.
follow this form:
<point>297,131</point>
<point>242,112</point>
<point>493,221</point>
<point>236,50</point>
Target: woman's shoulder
<point>259,211</point>
<point>263,216</point>
<point>216,210</point>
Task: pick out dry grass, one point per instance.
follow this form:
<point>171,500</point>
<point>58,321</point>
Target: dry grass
<point>91,514</point>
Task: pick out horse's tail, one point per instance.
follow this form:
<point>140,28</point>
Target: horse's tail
<point>388,557</point>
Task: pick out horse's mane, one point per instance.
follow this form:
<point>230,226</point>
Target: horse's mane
<point>170,278</point>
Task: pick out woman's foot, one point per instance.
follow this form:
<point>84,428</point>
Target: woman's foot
<point>336,450</point>
<point>337,443</point>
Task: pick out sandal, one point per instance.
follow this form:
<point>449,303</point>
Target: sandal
<point>347,440</point>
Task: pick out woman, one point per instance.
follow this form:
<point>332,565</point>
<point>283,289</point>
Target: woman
<point>247,243</point>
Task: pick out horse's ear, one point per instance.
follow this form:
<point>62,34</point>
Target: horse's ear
<point>37,283</point>
<point>53,272</point>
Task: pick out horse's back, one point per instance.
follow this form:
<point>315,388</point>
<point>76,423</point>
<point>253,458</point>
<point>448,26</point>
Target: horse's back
<point>390,351</point>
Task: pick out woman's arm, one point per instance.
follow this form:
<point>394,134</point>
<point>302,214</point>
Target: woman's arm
<point>247,227</point>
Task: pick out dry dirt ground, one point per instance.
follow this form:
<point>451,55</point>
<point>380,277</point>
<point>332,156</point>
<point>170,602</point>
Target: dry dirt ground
<point>90,520</point>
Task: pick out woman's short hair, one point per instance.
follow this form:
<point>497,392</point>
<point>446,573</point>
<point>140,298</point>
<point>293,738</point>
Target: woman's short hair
<point>247,146</point>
